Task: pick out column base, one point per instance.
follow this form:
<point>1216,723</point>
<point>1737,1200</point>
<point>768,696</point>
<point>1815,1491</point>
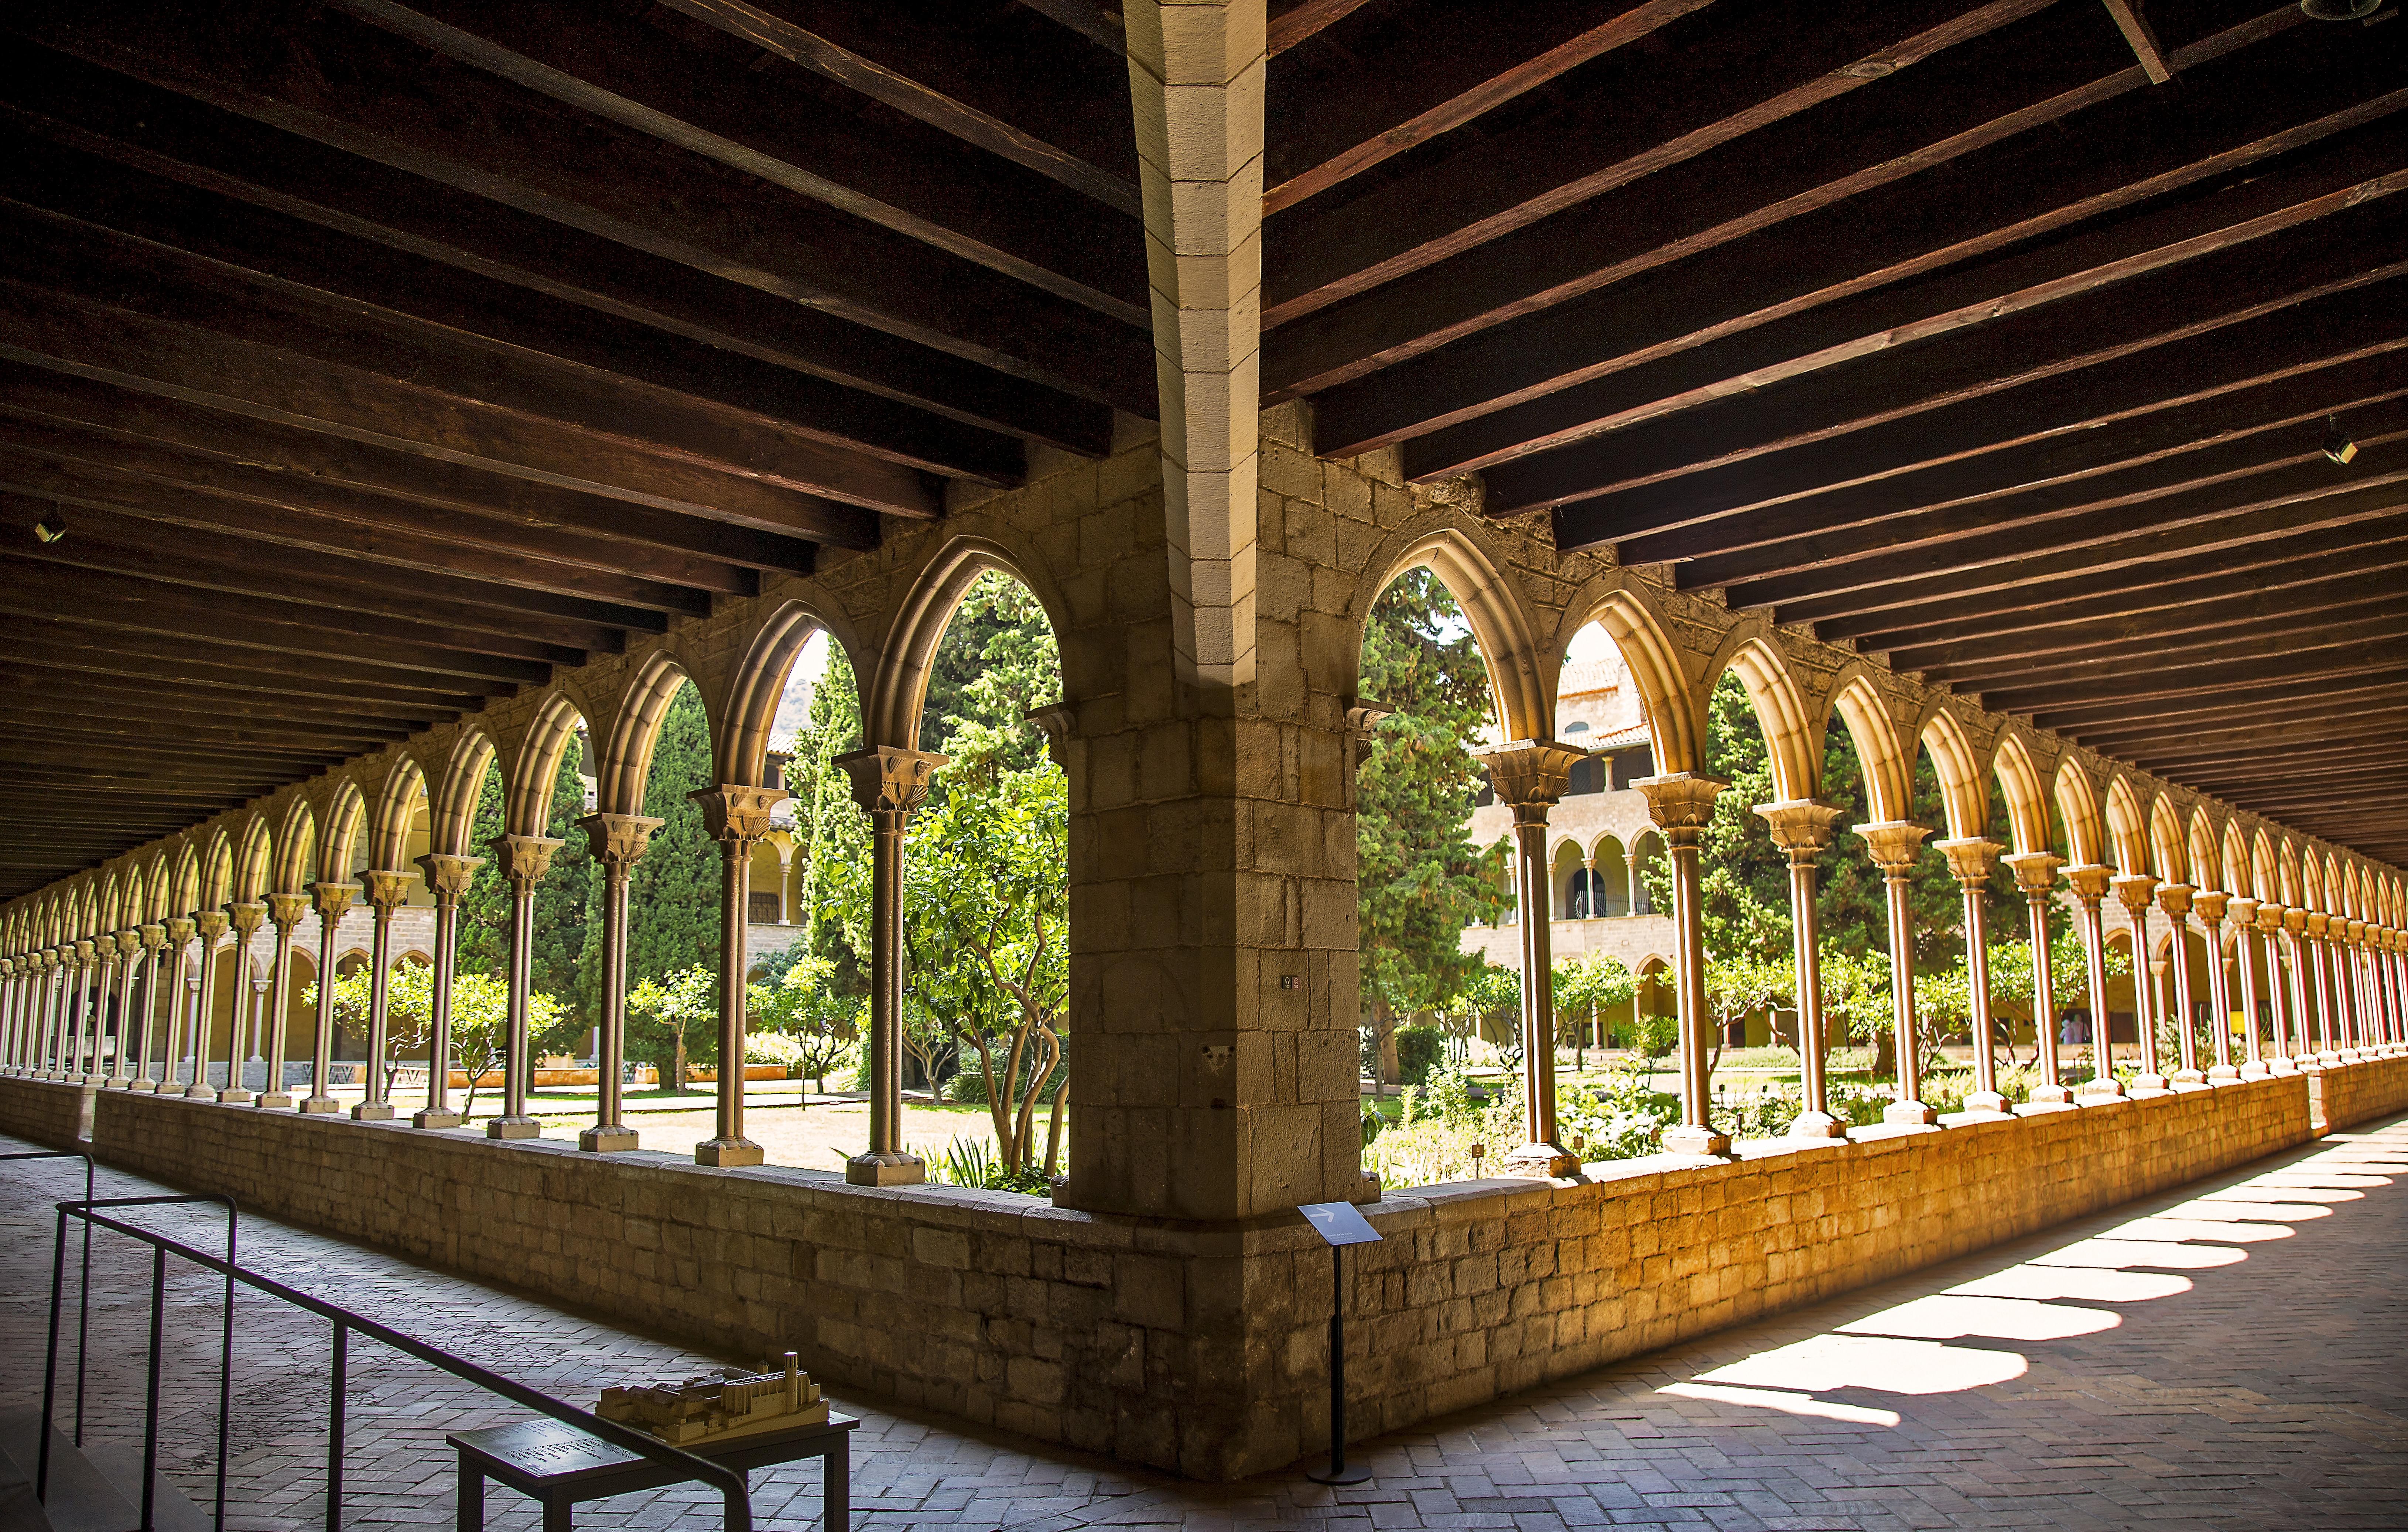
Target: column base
<point>888,1167</point>
<point>1987,1104</point>
<point>321,1105</point>
<point>234,1095</point>
<point>2257,1069</point>
<point>1688,1138</point>
<point>433,1118</point>
<point>2108,1086</point>
<point>1819,1125</point>
<point>272,1101</point>
<point>2051,1095</point>
<point>728,1154</point>
<point>2223,1074</point>
<point>1914,1112</point>
<point>1541,1162</point>
<point>200,1092</point>
<point>2190,1076</point>
<point>2152,1084</point>
<point>117,1082</point>
<point>514,1128</point>
<point>2281,1067</point>
<point>144,1087</point>
<point>609,1138</point>
<point>372,1112</point>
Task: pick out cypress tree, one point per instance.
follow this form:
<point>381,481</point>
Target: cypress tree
<point>673,893</point>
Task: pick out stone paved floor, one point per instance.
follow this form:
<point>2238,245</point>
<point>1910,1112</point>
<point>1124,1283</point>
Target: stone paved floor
<point>2231,1356</point>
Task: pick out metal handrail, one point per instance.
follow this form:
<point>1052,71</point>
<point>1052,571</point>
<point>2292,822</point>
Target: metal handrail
<point>730,1483</point>
<point>83,1311</point>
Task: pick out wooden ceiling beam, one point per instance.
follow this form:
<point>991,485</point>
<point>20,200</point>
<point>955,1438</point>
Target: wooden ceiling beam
<point>2156,449</point>
<point>187,662</point>
<point>1389,79</point>
<point>163,134</point>
<point>2019,527</point>
<point>2376,502</point>
<point>2350,256</point>
<point>2332,551</point>
<point>993,80</point>
<point>85,715</point>
<point>1293,22</point>
<point>116,346</point>
<point>2271,735</point>
<point>68,742</point>
<point>2299,637</point>
<point>2226,700</point>
<point>902,177</point>
<point>28,682</point>
<point>2136,730</point>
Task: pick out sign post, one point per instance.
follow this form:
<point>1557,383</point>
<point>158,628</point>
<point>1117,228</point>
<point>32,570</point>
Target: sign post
<point>1340,1225</point>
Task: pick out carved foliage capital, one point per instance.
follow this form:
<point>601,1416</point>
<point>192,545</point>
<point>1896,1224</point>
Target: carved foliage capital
<point>1056,719</point>
<point>129,942</point>
<point>2176,900</point>
<point>211,924</point>
<point>1680,803</point>
<point>888,780</point>
<point>2244,911</point>
<point>2210,906</point>
<point>333,898</point>
<point>1530,774</point>
<point>179,930</point>
<point>522,859</point>
<point>2090,882</point>
<point>2035,872</point>
<point>2136,892</point>
<point>154,936</point>
<point>1801,827</point>
<point>286,909</point>
<point>617,839</point>
<point>1969,858</point>
<point>1895,844</point>
<point>246,919</point>
<point>735,813</point>
<point>387,888</point>
<point>2315,922</point>
<point>2295,920</point>
<point>448,875</point>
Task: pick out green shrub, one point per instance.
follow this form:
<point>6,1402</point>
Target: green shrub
<point>1419,1050</point>
<point>1655,1036</point>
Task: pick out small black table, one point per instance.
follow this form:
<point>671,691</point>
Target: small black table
<point>560,1465</point>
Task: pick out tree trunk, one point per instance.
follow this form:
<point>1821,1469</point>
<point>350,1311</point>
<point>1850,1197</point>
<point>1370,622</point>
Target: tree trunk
<point>677,1063</point>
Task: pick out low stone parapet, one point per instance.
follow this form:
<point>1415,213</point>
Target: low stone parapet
<point>2344,1095</point>
<point>51,1115</point>
<point>1192,1348</point>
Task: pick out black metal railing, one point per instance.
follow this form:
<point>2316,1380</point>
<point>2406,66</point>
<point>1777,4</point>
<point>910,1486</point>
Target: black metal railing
<point>729,1482</point>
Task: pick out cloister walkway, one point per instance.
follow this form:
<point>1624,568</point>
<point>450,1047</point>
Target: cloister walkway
<point>2225,1356</point>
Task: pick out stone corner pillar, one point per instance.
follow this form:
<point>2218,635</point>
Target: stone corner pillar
<point>1896,845</point>
<point>619,842</point>
<point>1681,805</point>
<point>890,783</point>
<point>1971,860</point>
<point>523,860</point>
<point>448,876</point>
<point>1802,829</point>
<point>331,900</point>
<point>2177,901</point>
<point>1530,776</point>
<point>2136,892</point>
<point>387,890</point>
<point>736,815</point>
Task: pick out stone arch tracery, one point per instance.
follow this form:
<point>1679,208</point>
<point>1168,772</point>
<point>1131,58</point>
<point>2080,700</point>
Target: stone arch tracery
<point>740,742</point>
<point>1889,769</point>
<point>625,766</point>
<point>2027,802</point>
<point>1964,789</point>
<point>894,689</point>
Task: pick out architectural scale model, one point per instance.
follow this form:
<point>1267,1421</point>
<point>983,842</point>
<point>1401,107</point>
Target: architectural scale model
<point>731,1403</point>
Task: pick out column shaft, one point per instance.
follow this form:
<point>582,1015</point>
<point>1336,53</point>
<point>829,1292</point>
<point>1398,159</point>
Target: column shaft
<point>284,910</point>
<point>208,926</point>
<point>888,784</point>
<point>331,899</point>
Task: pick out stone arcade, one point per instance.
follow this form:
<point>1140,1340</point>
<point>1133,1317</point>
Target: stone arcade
<point>432,382</point>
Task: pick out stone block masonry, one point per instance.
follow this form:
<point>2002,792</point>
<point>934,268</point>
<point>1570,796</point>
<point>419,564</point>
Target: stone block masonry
<point>1191,1346</point>
<point>54,1115</point>
<point>2351,1094</point>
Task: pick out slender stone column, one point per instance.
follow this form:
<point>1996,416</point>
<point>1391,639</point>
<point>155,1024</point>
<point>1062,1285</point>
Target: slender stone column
<point>209,928</point>
<point>2295,960</point>
<point>782,842</point>
<point>2176,900</point>
<point>10,981</point>
<point>177,937</point>
<point>2316,970</point>
<point>2386,970</point>
<point>2036,877</point>
<point>889,784</point>
<point>18,968</point>
<point>524,859</point>
<point>330,899</point>
<point>446,877</point>
<point>246,920</point>
<point>386,890</point>
<point>45,1011</point>
<point>619,842</point>
<point>2091,884</point>
<point>128,945</point>
<point>2137,893</point>
<point>2360,1003</point>
<point>737,817</point>
<point>64,1010</point>
<point>1801,827</point>
<point>1969,861</point>
<point>2210,906</point>
<point>154,941</point>
<point>1530,777</point>
<point>91,987</point>
<point>284,912</point>
<point>2248,952</point>
<point>1895,845</point>
<point>1682,804</point>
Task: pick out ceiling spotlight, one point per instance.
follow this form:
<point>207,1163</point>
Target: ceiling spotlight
<point>2340,11</point>
<point>2338,447</point>
<point>50,528</point>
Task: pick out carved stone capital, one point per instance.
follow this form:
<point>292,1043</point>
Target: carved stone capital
<point>2243,910</point>
<point>2315,922</point>
<point>84,948</point>
<point>154,938</point>
<point>387,888</point>
<point>1056,719</point>
<point>1681,803</point>
<point>129,942</point>
<point>2136,892</point>
<point>1801,827</point>
<point>889,779</point>
<point>1530,775</point>
<point>2210,906</point>
<point>2090,882</point>
<point>522,859</point>
<point>333,898</point>
<point>1969,859</point>
<point>2176,900</point>
<point>449,873</point>
<point>286,909</point>
<point>2035,872</point>
<point>210,926</point>
<point>1895,844</point>
<point>736,813</point>
<point>246,919</point>
<point>619,840</point>
<point>179,930</point>
<point>2295,920</point>
<point>2357,932</point>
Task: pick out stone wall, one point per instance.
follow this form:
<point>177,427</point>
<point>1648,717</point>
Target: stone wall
<point>2347,1095</point>
<point>1190,1346</point>
<point>53,1115</point>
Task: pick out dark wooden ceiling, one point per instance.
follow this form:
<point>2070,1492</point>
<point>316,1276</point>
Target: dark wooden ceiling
<point>381,354</point>
<point>2000,338</point>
